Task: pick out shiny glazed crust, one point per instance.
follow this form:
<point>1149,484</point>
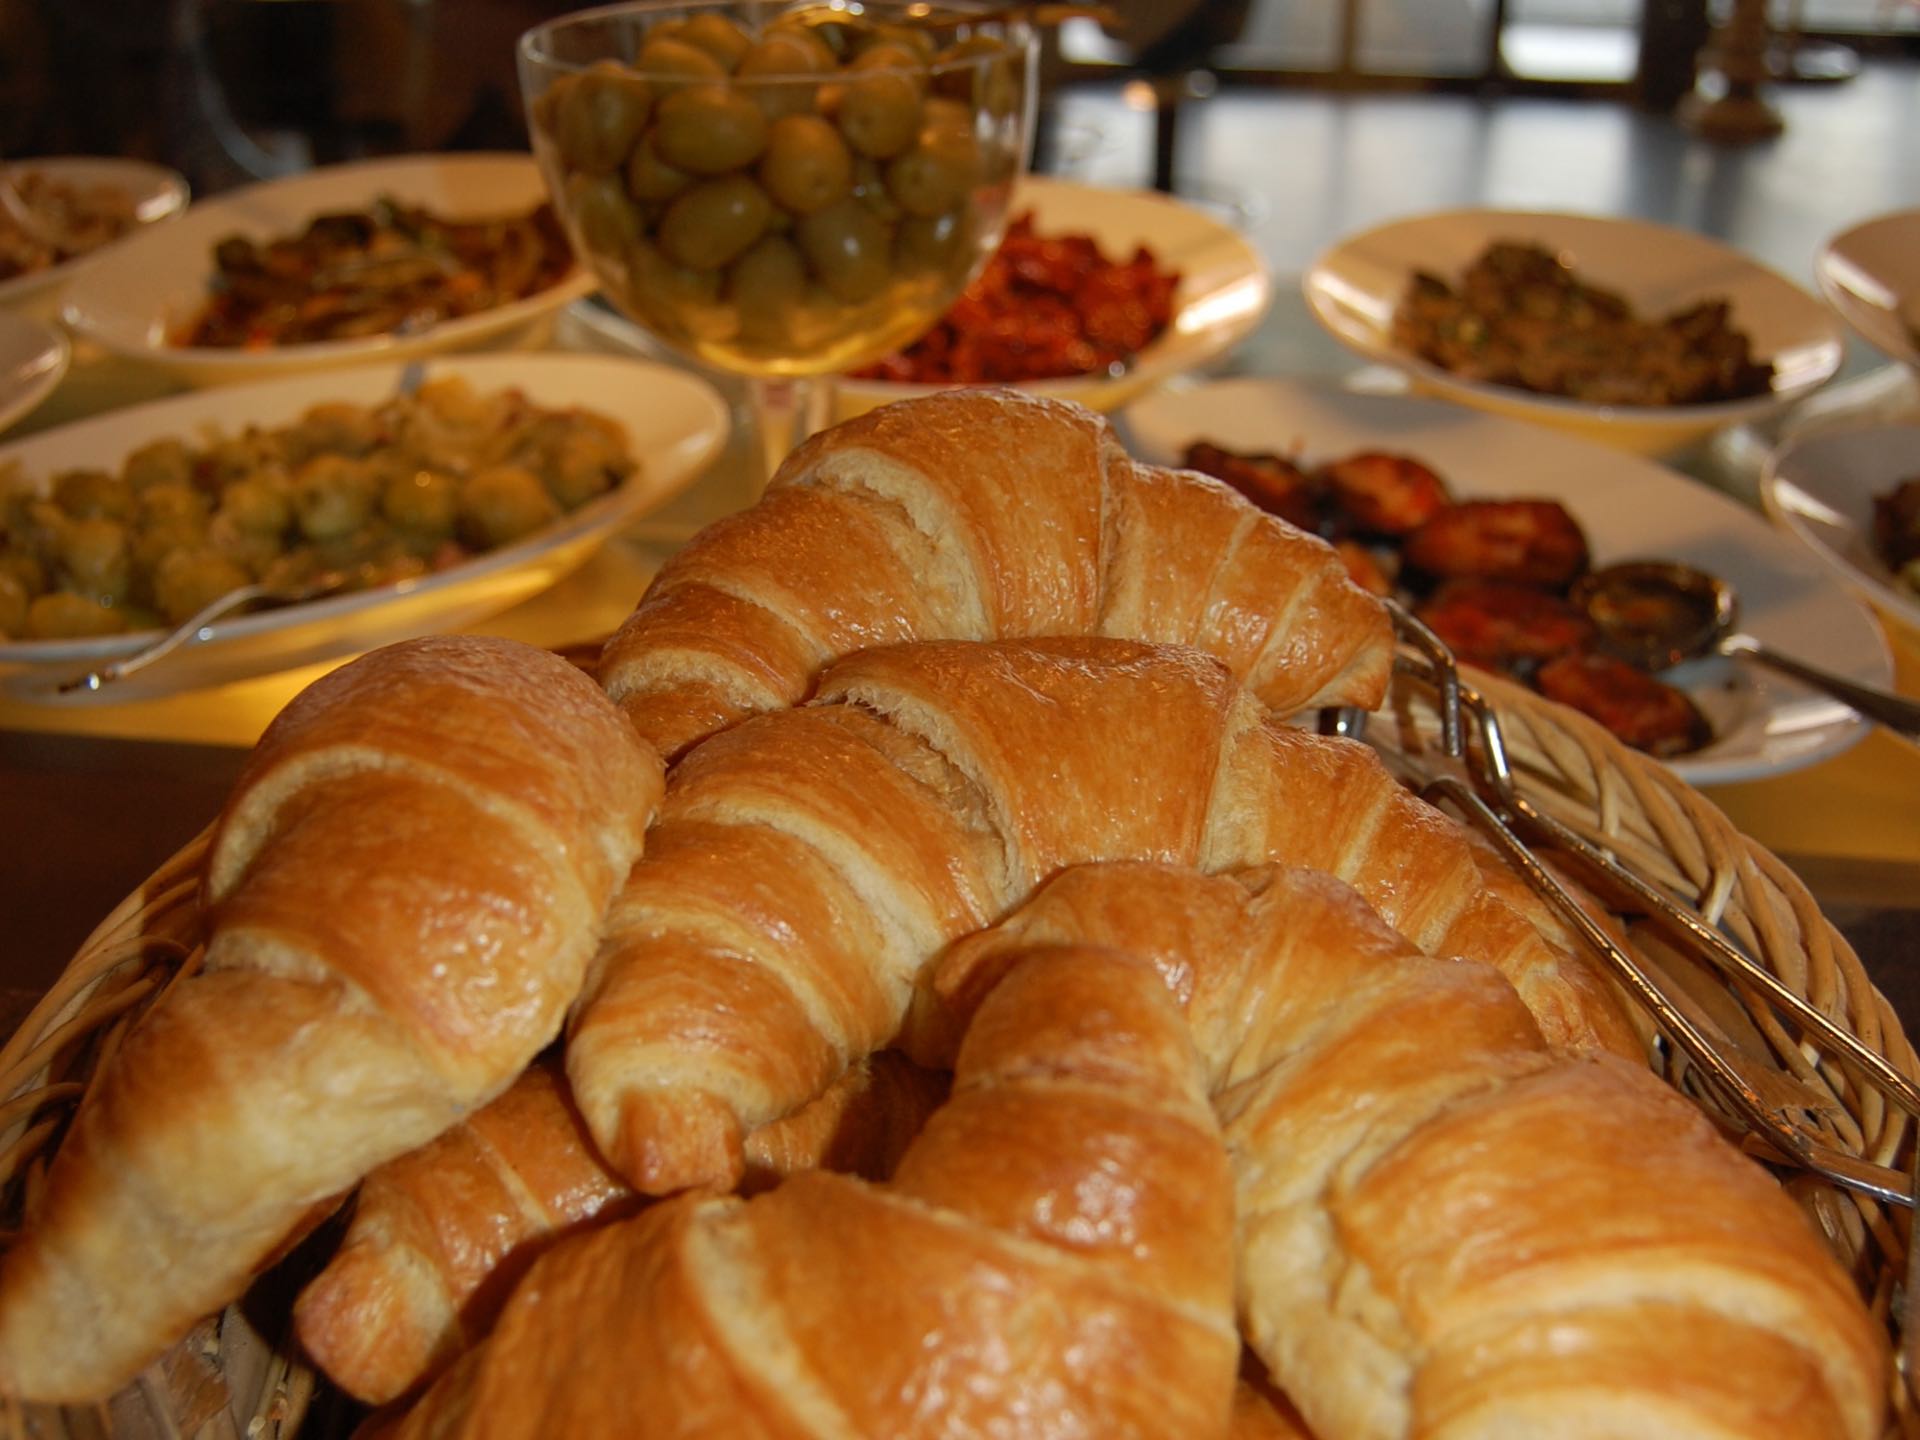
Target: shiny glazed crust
<point>404,892</point>
<point>1072,1196</point>
<point>984,515</point>
<point>1445,1228</point>
<point>808,864</point>
<point>440,1236</point>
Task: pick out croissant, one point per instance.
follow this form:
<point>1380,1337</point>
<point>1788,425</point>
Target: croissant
<point>404,891</point>
<point>1052,1258</point>
<point>440,1236</point>
<point>980,515</point>
<point>1444,1228</point>
<point>808,864</point>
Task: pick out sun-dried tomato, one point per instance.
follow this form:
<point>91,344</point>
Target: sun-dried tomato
<point>1044,307</point>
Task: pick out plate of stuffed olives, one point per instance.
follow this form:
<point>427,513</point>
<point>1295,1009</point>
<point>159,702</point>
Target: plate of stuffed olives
<point>434,494</point>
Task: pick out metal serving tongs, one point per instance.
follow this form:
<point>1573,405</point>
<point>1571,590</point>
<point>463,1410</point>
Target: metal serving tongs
<point>1495,804</point>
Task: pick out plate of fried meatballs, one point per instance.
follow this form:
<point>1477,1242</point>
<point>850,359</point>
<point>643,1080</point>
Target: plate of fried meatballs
<point>1481,526</point>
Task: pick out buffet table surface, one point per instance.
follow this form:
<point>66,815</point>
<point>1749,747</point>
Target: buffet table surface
<point>94,798</point>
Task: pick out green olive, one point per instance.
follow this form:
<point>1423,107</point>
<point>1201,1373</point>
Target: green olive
<point>870,189</point>
<point>936,175</point>
<point>660,287</point>
<point>649,178</point>
<point>915,38</point>
<point>847,245</point>
<point>600,116</point>
<point>25,566</point>
<point>714,222</point>
<point>807,166</point>
<point>188,580</point>
<point>880,114</point>
<point>709,130</point>
<point>13,605</point>
<point>888,55</point>
<point>939,243</point>
<point>172,502</point>
<point>158,462</point>
<point>942,113</point>
<point>63,615</point>
<point>720,37</point>
<point>671,64</point>
<point>502,503</point>
<point>605,218</point>
<point>781,68</point>
<point>95,556</point>
<point>979,70</point>
<point>93,495</point>
<point>424,503</point>
<point>827,42</point>
<point>765,284</point>
<point>257,506</point>
<point>332,495</point>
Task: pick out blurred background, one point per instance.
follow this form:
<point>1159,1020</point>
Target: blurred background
<point>232,90</point>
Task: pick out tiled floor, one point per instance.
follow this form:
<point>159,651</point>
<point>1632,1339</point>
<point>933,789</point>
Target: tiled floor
<point>1325,164</point>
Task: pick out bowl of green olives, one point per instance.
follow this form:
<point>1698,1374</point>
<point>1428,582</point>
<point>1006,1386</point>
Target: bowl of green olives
<point>780,190</point>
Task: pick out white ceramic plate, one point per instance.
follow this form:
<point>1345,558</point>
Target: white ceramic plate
<point>1353,288</point>
<point>157,193</point>
<point>156,280</point>
<point>33,357</point>
<point>1630,509</point>
<point>1224,287</point>
<point>1821,488</point>
<point>675,423</point>
<point>1871,275</point>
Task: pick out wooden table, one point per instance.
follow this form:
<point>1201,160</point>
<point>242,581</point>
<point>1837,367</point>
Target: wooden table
<point>95,798</point>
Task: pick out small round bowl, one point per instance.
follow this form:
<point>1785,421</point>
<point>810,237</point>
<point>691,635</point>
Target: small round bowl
<point>777,194</point>
<point>1871,275</point>
<point>157,194</point>
<point>141,292</point>
<point>1354,287</point>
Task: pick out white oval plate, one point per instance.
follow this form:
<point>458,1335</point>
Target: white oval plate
<point>1224,288</point>
<point>1630,509</point>
<point>675,423</point>
<point>33,357</point>
<point>157,280</point>
<point>1820,489</point>
<point>1353,288</point>
<point>158,194</point>
<point>1871,275</point>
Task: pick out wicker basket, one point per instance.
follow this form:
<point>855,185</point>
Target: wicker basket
<point>238,1374</point>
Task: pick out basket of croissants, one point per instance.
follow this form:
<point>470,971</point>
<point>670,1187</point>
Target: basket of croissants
<point>926,982</point>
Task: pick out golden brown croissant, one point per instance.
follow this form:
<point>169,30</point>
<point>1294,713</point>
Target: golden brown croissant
<point>808,864</point>
<point>404,891</point>
<point>982,515</point>
<point>1053,1258</point>
<point>1444,1228</point>
<point>440,1236</point>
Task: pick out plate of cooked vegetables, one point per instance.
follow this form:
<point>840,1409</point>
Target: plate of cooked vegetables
<point>61,213</point>
<point>413,498</point>
<point>1093,296</point>
<point>1640,336</point>
<point>1482,527</point>
<point>384,259</point>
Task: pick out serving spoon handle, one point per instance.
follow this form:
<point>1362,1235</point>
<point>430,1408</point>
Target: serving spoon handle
<point>1893,711</point>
